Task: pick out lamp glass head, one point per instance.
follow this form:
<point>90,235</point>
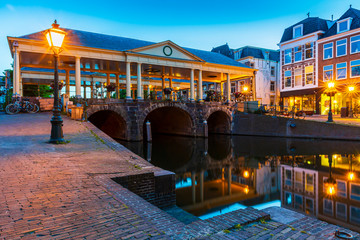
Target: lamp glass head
<point>331,84</point>
<point>55,36</point>
<point>351,88</point>
<point>246,89</point>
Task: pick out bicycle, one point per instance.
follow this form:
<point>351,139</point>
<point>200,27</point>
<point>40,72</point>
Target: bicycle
<point>21,105</point>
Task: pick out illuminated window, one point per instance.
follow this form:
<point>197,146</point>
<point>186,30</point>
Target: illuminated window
<point>309,74</point>
<point>341,70</point>
<point>287,78</point>
<point>288,199</point>
<point>309,183</point>
<point>328,73</point>
<point>287,54</point>
<point>328,50</point>
<point>341,48</point>
<point>298,180</point>
<point>298,53</point>
<point>298,77</point>
<point>309,48</point>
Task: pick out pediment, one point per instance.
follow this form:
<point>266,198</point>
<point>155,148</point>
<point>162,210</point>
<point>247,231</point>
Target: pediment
<point>167,49</point>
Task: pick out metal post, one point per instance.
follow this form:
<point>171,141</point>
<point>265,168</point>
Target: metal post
<point>351,109</point>
<point>148,132</point>
<point>56,121</point>
<point>330,119</point>
<point>206,131</point>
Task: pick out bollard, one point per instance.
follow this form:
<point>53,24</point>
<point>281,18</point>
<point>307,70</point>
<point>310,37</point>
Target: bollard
<point>148,152</point>
<point>206,134</point>
<point>148,132</point>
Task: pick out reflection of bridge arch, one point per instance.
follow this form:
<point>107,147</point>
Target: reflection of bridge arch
<point>110,122</point>
<point>219,121</point>
<point>176,120</point>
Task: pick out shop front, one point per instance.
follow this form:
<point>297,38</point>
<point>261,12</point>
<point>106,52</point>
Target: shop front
<point>302,100</point>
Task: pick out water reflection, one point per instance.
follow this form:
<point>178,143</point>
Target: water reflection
<point>223,173</point>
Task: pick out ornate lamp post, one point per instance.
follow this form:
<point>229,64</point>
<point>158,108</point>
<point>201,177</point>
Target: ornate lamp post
<point>351,90</point>
<point>330,183</point>
<point>331,92</point>
<point>55,38</point>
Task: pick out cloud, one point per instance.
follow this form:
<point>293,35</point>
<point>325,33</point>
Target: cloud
<point>10,7</point>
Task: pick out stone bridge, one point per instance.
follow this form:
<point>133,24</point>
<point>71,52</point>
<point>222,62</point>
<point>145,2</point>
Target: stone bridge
<point>127,120</point>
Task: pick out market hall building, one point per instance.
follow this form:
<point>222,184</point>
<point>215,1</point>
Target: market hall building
<point>90,60</point>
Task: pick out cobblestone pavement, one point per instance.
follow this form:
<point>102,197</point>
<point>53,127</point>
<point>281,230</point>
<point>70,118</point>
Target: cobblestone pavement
<point>337,119</point>
<point>66,192</point>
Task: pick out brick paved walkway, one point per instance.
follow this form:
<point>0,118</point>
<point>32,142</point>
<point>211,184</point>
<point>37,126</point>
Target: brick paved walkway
<point>65,191</point>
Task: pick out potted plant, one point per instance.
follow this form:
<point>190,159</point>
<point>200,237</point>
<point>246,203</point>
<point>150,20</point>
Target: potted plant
<point>111,87</point>
<point>61,85</point>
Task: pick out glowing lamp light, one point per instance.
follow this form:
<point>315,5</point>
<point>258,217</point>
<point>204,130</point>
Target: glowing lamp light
<point>246,174</point>
<point>55,36</point>
<point>351,88</point>
<point>246,190</point>
<point>330,186</point>
<point>245,89</point>
<point>351,176</point>
<point>331,84</point>
<point>331,190</point>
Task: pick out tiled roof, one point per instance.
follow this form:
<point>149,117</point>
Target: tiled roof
<point>102,41</point>
<point>259,53</point>
<point>310,25</point>
<point>355,23</point>
<point>224,50</point>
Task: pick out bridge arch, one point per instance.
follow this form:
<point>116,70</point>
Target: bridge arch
<point>219,122</point>
<point>110,122</point>
<point>169,119</point>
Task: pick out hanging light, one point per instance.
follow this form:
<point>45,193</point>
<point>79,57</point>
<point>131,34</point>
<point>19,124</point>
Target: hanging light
<point>55,37</point>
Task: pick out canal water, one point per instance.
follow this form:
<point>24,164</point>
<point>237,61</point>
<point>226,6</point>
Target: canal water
<point>224,173</point>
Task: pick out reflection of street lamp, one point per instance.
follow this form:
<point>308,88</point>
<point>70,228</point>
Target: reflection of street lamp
<point>246,174</point>
<point>330,183</point>
<point>351,90</point>
<point>330,92</point>
<point>245,90</point>
<point>55,38</point>
<point>351,175</point>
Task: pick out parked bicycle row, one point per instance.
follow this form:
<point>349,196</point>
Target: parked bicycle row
<point>21,105</point>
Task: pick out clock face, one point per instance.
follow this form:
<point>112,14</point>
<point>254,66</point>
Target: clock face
<point>167,51</point>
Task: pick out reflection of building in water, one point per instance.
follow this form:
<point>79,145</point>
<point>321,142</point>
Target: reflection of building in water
<point>303,188</point>
<point>237,180</point>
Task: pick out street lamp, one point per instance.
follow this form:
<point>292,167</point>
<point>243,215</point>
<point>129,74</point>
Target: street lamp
<point>351,90</point>
<point>55,38</point>
<point>331,92</point>
<point>330,183</point>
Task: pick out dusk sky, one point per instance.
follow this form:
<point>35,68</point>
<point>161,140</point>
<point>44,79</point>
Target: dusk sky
<point>188,23</point>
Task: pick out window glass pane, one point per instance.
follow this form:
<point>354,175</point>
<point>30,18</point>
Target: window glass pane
<point>308,50</point>
<point>355,192</point>
<point>343,41</point>
<point>298,77</point>
<point>309,187</point>
<point>309,206</point>
<point>309,69</point>
<point>355,214</point>
<point>340,211</point>
<point>329,67</point>
<point>297,32</point>
<point>328,207</point>
<point>298,53</point>
<point>287,73</point>
<point>288,177</point>
<point>298,202</point>
<point>341,65</point>
<point>341,188</point>
<point>328,50</point>
<point>355,44</point>
<point>288,199</point>
<point>355,71</point>
<point>343,26</point>
<point>341,48</point>
<point>328,45</point>
<point>356,62</point>
<point>287,56</point>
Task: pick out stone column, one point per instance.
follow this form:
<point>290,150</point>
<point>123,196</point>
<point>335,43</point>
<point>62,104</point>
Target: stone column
<point>16,73</point>
<point>67,82</point>
<point>163,86</point>
<point>192,87</point>
<point>128,81</point>
<point>77,77</point>
<point>139,83</point>
<point>84,86</point>
<point>200,97</point>
<point>108,94</point>
<point>102,89</point>
<point>117,95</point>
<point>228,87</point>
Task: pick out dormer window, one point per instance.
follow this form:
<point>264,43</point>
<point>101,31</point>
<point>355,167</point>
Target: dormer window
<point>298,31</point>
<point>343,25</point>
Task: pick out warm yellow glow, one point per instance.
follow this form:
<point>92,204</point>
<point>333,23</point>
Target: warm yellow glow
<point>246,174</point>
<point>335,101</point>
<point>351,88</point>
<point>351,176</point>
<point>55,37</point>
<point>246,190</point>
<point>331,84</point>
<point>245,89</point>
<point>150,86</point>
<point>177,88</point>
<point>331,190</point>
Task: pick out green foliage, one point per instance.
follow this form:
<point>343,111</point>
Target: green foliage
<point>237,226</point>
<point>226,231</point>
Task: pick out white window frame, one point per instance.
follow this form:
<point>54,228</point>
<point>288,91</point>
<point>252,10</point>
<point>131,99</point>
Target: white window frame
<point>301,77</point>
<point>301,30</point>
<point>332,50</point>
<point>301,47</point>
<point>348,22</point>
<point>332,75</point>
<point>291,59</point>
<point>271,68</point>
<point>312,50</point>
<point>337,190</point>
<point>337,55</point>
<point>351,41</point>
<point>291,75</point>
<point>350,194</point>
<point>313,182</point>
<point>305,77</point>
<point>351,66</point>
<point>337,78</point>
<point>336,210</point>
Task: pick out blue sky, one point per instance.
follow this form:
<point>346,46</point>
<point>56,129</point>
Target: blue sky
<point>189,23</point>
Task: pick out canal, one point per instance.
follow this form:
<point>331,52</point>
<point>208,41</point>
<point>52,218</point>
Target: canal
<point>224,173</point>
